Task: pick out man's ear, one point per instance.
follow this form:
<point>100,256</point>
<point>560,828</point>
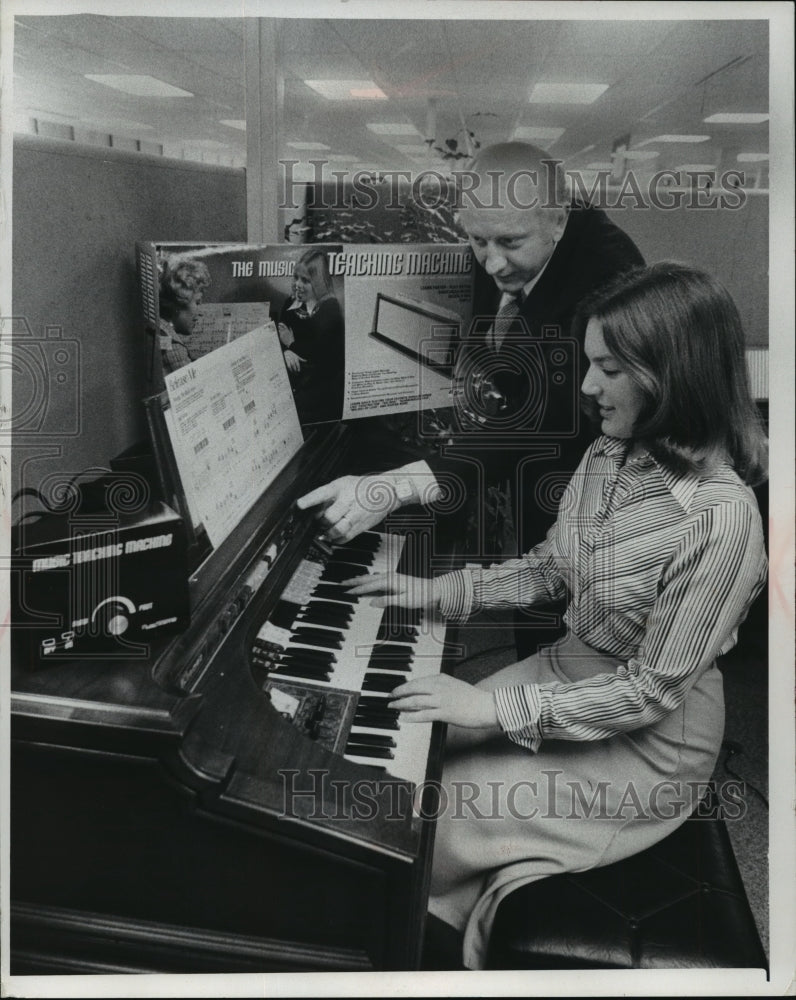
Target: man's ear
<point>560,222</point>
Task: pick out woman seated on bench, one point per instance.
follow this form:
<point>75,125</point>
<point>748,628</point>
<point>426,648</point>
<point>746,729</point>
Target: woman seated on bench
<point>600,745</point>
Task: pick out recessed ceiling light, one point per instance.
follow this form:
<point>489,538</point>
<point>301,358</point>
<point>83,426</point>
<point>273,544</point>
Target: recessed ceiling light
<point>737,118</point>
<point>238,123</point>
<point>309,145</point>
<point>347,90</point>
<point>538,133</point>
<point>752,157</point>
<point>674,138</point>
<point>566,93</point>
<point>392,128</point>
<point>138,86</point>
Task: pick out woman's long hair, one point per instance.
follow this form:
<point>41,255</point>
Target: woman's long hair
<point>677,333</point>
<point>317,265</point>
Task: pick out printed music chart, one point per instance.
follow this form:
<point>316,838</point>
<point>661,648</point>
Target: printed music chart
<point>218,323</point>
<point>233,426</point>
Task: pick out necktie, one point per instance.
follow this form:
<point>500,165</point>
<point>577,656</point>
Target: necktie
<point>504,320</point>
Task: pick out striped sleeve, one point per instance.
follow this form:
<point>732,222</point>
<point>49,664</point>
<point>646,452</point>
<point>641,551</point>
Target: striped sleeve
<point>717,570</point>
<point>531,579</point>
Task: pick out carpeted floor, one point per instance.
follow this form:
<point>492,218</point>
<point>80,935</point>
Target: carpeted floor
<point>487,645</point>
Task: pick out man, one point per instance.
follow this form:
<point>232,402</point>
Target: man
<point>538,256</point>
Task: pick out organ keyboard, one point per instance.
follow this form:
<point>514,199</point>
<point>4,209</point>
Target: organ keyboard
<point>322,638</point>
<point>243,797</point>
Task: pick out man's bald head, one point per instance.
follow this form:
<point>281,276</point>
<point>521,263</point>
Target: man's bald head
<point>514,175</point>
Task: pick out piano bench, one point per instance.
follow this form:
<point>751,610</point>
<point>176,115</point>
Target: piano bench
<point>679,904</point>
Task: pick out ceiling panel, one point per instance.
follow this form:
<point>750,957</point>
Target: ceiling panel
<point>663,76</point>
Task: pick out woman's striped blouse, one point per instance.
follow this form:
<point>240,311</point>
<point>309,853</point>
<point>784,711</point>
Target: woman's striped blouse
<point>659,570</point>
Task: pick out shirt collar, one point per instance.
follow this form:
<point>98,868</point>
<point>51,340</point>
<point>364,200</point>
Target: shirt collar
<point>527,288</point>
<point>682,486</point>
<point>167,332</point>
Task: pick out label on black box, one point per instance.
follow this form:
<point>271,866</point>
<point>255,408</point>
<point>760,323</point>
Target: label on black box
<point>77,589</point>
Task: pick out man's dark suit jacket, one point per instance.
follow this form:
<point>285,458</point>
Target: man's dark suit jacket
<point>539,453</point>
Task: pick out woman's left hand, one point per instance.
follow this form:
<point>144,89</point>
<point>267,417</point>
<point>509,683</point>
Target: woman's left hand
<point>441,698</point>
<point>395,588</point>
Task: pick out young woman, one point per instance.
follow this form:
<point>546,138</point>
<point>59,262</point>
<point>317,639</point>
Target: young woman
<point>313,340</point>
<point>183,282</point>
<point>598,746</point>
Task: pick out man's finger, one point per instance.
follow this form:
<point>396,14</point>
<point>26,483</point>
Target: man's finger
<point>320,495</point>
<point>339,508</point>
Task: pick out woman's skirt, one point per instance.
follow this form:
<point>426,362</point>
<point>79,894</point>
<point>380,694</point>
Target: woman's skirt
<point>508,816</point>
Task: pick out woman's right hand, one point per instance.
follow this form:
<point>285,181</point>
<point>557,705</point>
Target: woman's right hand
<point>294,361</point>
<point>395,589</point>
<point>286,336</point>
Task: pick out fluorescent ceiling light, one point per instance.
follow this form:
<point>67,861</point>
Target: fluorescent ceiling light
<point>210,144</point>
<point>138,86</point>
<point>674,138</point>
<point>641,154</point>
<point>539,133</point>
<point>566,93</point>
<point>238,123</point>
<point>752,157</point>
<point>392,128</point>
<point>737,118</point>
<point>309,145</point>
<point>347,90</point>
<point>119,124</point>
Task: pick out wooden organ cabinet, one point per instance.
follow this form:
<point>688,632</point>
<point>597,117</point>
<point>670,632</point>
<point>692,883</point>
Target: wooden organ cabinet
<point>168,815</point>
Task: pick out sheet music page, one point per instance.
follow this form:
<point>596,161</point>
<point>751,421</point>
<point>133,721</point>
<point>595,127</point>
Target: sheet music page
<point>233,426</point>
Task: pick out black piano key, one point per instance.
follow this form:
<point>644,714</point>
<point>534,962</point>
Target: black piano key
<point>284,614</point>
<point>306,668</point>
<point>390,650</point>
<point>374,739</point>
<point>396,633</point>
<point>389,725</point>
<point>367,702</point>
<point>403,617</point>
<point>328,638</point>
<point>343,614</point>
<point>392,666</point>
<point>341,624</point>
<point>363,750</point>
<point>369,540</point>
<point>309,671</point>
<point>381,682</point>
<point>315,655</point>
<point>327,607</point>
<point>333,592</point>
<point>339,571</point>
